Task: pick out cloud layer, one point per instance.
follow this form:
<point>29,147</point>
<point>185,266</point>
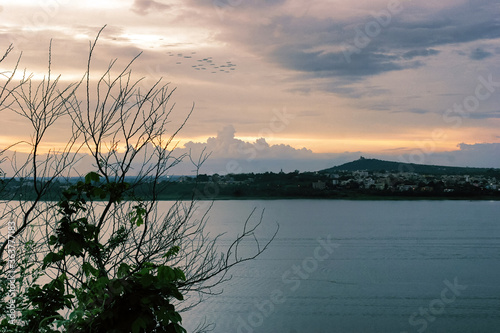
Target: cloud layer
<point>354,73</point>
<point>228,154</point>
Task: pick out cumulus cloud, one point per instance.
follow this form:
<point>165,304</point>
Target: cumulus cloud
<point>483,155</point>
<point>226,145</point>
<point>231,155</point>
<point>479,154</point>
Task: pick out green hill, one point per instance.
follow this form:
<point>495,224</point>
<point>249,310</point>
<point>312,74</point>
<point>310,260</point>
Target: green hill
<point>371,164</point>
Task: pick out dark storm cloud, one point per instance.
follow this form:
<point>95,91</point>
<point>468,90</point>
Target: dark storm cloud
<point>330,47</point>
<point>420,53</point>
<point>487,115</point>
<point>470,22</point>
<point>480,54</point>
<point>327,64</point>
<point>356,92</point>
<point>327,47</point>
<point>414,111</point>
<point>418,111</point>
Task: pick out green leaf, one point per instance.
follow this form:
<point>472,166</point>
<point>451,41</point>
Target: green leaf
<point>118,286</point>
<point>92,176</point>
<point>51,258</point>
<point>172,252</point>
<point>101,282</point>
<point>147,280</point>
<point>163,315</point>
<point>73,247</point>
<point>76,314</point>
<point>166,274</point>
<point>146,300</point>
<point>139,324</point>
<point>123,270</point>
<point>89,269</point>
<point>179,274</point>
<point>138,220</point>
<point>147,267</point>
<point>175,317</point>
<point>179,329</point>
<point>136,216</point>
<point>52,240</point>
<point>176,293</point>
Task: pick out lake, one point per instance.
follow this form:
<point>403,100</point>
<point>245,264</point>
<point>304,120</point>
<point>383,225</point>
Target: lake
<point>361,266</point>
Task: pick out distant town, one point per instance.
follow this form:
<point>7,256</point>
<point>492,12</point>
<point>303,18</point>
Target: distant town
<point>360,179</point>
<point>338,183</point>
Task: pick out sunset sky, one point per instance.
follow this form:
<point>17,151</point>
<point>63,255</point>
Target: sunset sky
<point>322,82</point>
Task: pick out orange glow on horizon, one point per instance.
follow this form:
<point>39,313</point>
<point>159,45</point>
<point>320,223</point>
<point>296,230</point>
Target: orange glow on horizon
<point>375,145</point>
<point>400,143</point>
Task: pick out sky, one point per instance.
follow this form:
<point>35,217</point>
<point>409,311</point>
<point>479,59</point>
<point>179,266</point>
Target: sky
<point>288,84</point>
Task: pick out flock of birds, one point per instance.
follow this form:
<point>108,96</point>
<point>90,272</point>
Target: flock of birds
<point>205,64</point>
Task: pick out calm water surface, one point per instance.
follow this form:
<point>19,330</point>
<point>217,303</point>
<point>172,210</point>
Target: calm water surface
<point>362,266</point>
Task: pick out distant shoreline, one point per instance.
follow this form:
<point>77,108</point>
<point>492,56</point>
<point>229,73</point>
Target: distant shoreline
<point>350,197</point>
<point>372,183</point>
<point>360,197</point>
